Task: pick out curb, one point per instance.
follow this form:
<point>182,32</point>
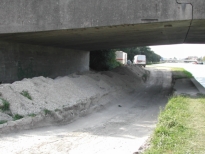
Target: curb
<point>198,86</point>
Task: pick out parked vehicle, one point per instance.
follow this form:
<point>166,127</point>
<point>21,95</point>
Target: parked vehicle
<point>201,63</point>
<point>140,60</point>
<point>197,62</point>
<point>121,57</point>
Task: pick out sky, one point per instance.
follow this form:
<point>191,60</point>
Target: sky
<point>180,50</point>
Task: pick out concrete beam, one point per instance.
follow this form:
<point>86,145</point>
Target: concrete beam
<point>107,37</point>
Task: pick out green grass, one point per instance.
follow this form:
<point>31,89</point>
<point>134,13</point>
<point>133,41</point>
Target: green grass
<point>180,128</point>
<point>2,121</point>
<point>17,117</point>
<point>26,94</point>
<point>6,105</point>
<point>181,73</point>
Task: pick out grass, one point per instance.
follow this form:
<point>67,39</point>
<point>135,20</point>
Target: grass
<point>181,127</point>
<point>2,121</point>
<point>6,105</point>
<point>26,94</point>
<point>17,117</point>
<point>181,73</point>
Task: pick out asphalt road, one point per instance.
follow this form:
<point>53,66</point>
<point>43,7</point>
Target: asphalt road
<point>120,128</point>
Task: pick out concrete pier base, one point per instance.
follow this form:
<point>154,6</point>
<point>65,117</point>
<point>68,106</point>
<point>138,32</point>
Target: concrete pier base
<point>18,61</point>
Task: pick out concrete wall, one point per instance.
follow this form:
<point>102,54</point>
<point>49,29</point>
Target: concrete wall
<point>18,61</point>
<point>44,15</point>
<point>198,8</point>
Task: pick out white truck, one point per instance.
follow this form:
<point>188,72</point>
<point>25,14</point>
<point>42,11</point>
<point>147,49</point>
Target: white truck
<point>121,57</point>
<point>140,60</point>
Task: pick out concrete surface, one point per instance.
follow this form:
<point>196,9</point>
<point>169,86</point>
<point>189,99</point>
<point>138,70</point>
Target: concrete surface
<point>185,87</point>
<point>200,88</point>
<point>195,70</point>
<point>119,127</point>
<point>18,61</point>
<point>102,24</point>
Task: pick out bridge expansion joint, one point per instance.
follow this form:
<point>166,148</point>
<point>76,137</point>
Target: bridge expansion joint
<point>190,3</point>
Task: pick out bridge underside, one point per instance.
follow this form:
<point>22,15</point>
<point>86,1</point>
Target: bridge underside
<point>159,33</point>
<point>53,37</point>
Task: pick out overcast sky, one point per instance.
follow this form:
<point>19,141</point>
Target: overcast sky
<point>179,50</point>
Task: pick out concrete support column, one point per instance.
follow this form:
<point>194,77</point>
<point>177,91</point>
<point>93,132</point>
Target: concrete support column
<point>18,61</point>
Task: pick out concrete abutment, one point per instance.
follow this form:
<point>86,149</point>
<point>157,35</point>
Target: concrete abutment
<point>18,61</point>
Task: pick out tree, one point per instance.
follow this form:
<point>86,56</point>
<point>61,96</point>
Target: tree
<point>103,60</point>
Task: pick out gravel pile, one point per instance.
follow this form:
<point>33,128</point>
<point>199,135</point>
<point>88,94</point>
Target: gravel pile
<point>31,97</point>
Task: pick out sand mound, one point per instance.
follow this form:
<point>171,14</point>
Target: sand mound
<point>79,93</point>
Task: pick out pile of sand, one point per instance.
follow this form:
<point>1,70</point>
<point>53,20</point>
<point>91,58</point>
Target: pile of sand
<point>69,93</point>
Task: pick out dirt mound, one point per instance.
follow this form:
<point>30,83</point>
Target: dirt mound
<point>66,98</point>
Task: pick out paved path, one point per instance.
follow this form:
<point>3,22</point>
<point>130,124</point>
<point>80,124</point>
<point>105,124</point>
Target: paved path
<point>196,70</point>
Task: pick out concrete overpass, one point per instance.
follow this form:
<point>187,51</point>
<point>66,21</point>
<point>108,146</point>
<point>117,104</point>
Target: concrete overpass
<point>40,37</point>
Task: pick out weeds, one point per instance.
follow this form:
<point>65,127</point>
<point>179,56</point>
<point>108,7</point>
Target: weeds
<point>32,115</point>
<point>26,94</point>
<point>17,117</point>
<point>46,111</point>
<point>57,110</point>
<point>144,77</point>
<point>5,106</point>
<point>2,121</point>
